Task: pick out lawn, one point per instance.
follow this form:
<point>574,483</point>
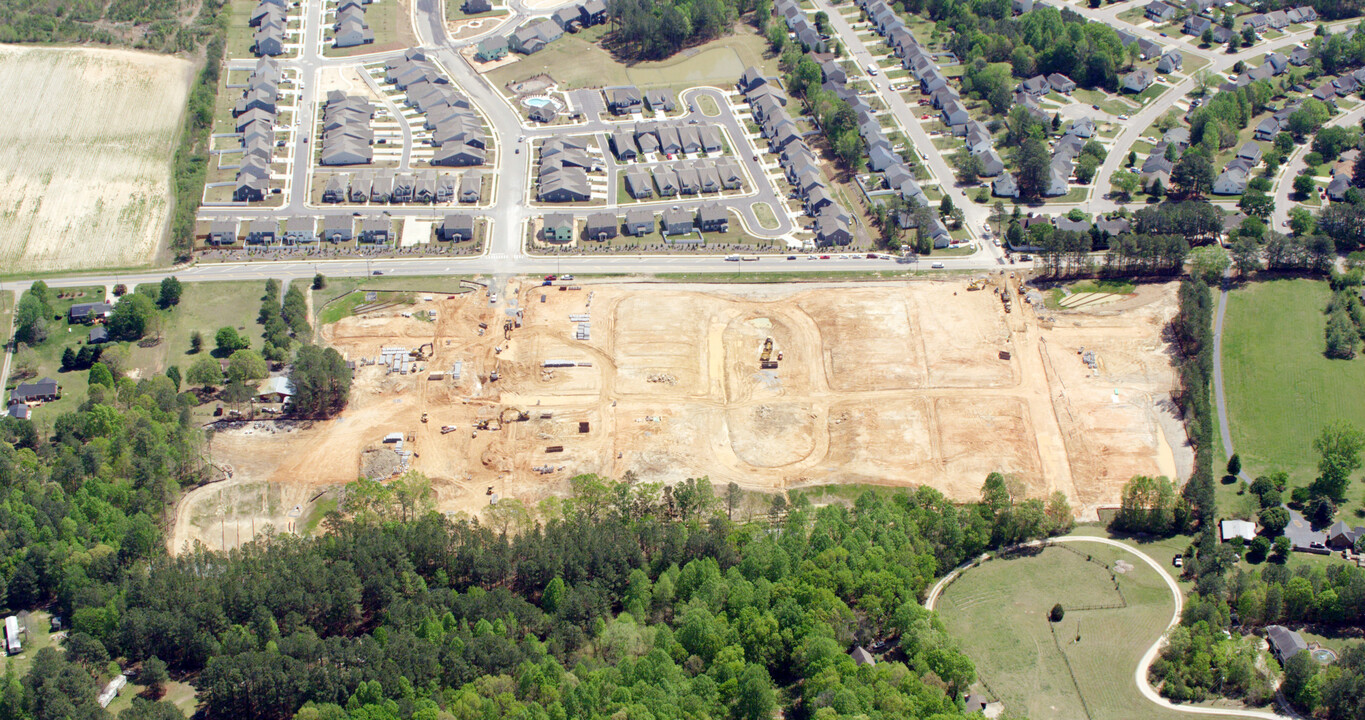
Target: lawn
<point>764,212</point>
<point>1281,389</point>
<point>336,301</point>
<point>39,622</point>
<point>708,106</point>
<point>204,307</point>
<point>578,61</point>
<point>998,611</point>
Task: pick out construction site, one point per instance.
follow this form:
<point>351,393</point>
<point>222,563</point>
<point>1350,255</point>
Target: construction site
<point>773,387</point>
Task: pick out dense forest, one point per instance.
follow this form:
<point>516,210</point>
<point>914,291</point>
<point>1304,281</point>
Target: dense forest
<point>162,25</point>
<point>650,30</point>
<point>629,599</point>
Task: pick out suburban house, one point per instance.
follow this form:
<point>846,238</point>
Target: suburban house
<point>223,232</point>
<point>593,12</point>
<point>474,7</point>
<point>491,49</point>
<point>1196,25</point>
<point>456,228</point>
<point>660,100</point>
<point>299,229</point>
<point>713,218</point>
<point>1138,80</point>
<point>41,391</point>
<point>638,182</point>
<point>558,228</point>
<point>261,232</point>
<point>676,221</point>
<point>600,226</point>
<point>1284,643</point>
<point>1160,12</point>
<point>1004,186</point>
<point>337,229</point>
<point>1250,151</point>
<point>624,99</point>
<point>1036,86</point>
<point>567,18</point>
<point>534,36</point>
<point>89,312</point>
<point>18,411</point>
<point>1171,61</point>
<point>639,222</point>
<point>471,187</point>
<point>1061,83</point>
<point>374,230</point>
<point>831,229</point>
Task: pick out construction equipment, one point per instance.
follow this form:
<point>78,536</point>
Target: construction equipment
<point>977,284</point>
<point>447,429</point>
<point>767,351</point>
<point>512,414</point>
<point>423,351</point>
<point>424,417</point>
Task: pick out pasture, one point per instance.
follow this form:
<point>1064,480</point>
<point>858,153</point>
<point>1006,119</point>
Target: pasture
<point>999,613</point>
<point>85,155</point>
<point>1281,388</point>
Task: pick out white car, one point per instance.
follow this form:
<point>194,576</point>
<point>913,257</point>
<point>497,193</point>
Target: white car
<point>872,69</point>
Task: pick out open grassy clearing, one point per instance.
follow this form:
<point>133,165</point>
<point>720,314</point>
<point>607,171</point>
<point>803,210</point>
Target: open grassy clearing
<point>1281,389</point>
<point>998,611</point>
<point>85,155</point>
<point>204,307</point>
<point>45,360</point>
<point>336,301</point>
<point>578,61</point>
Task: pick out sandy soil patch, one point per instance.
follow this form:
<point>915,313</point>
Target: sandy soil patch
<point>900,384</point>
<point>85,155</point>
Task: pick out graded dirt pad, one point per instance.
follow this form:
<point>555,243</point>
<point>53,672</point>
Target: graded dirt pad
<point>85,155</point>
<point>899,384</point>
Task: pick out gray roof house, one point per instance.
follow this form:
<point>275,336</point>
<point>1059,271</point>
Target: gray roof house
<point>1251,151</point>
<point>223,232</point>
<point>1285,643</point>
<point>1004,186</point>
<point>600,226</point>
<point>1171,61</point>
<point>456,228</point>
<point>638,182</point>
<point>660,100</point>
<point>624,99</point>
<point>1138,80</point>
<point>1061,83</point>
<point>676,221</point>
<point>337,229</point>
<point>881,157</point>
<point>713,218</point>
<point>1230,182</point>
<point>492,48</point>
<point>1158,11</point>
<point>831,229</point>
<point>639,222</point>
<point>40,391</point>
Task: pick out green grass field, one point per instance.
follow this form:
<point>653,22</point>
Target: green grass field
<point>45,360</point>
<point>204,307</point>
<point>1281,389</point>
<point>578,61</point>
<point>998,611</point>
<point>336,301</point>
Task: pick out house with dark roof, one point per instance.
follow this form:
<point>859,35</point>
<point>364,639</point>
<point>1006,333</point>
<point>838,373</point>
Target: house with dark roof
<point>544,114</point>
<point>713,218</point>
<point>557,228</point>
<point>1061,83</point>
<point>44,390</point>
<point>1284,643</point>
<point>1196,25</point>
<point>1171,61</point>
<point>1159,12</point>
<point>18,411</point>
<point>831,230</point>
<point>223,232</point>
<point>600,226</point>
<point>374,230</point>
<point>1004,186</point>
<point>623,100</point>
<point>1036,86</point>
<point>1341,536</point>
<point>471,187</point>
<point>456,228</point>
<point>337,229</point>
<point>89,312</point>
<point>474,7</point>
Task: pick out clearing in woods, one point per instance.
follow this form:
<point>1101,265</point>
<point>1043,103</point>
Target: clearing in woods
<point>85,155</point>
<point>895,384</point>
<point>999,613</point>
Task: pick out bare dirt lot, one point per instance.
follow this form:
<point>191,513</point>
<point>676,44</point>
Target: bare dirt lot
<point>85,155</point>
<point>897,384</point>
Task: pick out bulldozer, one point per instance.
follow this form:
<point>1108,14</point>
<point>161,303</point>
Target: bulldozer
<point>767,351</point>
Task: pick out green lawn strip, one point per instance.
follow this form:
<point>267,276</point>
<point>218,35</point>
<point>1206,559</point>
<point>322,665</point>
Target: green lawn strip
<point>1119,287</point>
<point>1281,389</point>
<point>998,611</point>
<point>708,106</point>
<point>339,299</point>
<point>764,212</point>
